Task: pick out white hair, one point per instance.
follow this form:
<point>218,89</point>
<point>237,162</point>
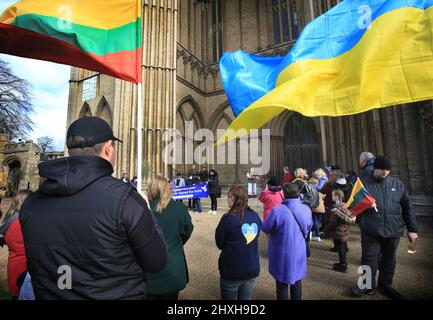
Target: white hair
<point>365,156</point>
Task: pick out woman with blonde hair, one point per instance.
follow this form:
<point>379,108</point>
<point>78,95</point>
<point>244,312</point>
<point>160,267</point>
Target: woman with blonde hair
<point>175,223</point>
<point>301,174</point>
<point>13,238</point>
<point>321,177</point>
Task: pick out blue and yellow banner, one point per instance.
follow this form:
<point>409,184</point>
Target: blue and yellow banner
<point>358,56</point>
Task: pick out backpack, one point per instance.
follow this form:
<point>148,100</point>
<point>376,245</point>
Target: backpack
<point>310,196</point>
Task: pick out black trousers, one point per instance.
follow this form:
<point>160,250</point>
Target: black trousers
<point>341,249</point>
<point>295,291</point>
<point>379,254</point>
<point>213,202</point>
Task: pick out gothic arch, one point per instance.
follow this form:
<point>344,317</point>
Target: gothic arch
<point>197,115</point>
<point>278,124</point>
<point>103,111</point>
<point>218,114</point>
<point>11,160</point>
<point>12,167</point>
<point>85,111</point>
<point>301,143</point>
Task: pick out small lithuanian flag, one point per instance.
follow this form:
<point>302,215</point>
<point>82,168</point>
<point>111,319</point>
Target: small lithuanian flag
<point>360,200</point>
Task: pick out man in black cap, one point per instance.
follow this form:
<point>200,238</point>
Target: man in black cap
<point>383,225</point>
<point>89,235</point>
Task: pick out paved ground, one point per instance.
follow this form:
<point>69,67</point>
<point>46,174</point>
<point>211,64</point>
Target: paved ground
<point>413,277</point>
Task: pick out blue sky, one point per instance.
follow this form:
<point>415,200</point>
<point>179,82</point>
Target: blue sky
<point>50,82</point>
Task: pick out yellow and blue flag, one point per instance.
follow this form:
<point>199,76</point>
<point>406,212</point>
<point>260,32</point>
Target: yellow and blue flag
<point>358,56</point>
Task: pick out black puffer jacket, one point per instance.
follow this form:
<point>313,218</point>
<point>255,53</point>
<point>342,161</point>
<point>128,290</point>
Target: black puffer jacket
<point>395,209</point>
<point>213,185</point>
<point>100,227</point>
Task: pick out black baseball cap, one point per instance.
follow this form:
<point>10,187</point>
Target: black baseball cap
<point>94,130</point>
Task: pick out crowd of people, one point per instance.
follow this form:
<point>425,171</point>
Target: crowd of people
<point>120,243</point>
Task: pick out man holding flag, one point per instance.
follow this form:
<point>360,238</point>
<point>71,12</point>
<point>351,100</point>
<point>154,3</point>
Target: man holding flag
<point>382,226</point>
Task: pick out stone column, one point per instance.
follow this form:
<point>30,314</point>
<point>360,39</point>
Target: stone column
<point>159,78</point>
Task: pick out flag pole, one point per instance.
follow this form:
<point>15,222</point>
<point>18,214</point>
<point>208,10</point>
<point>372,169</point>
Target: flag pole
<point>139,138</point>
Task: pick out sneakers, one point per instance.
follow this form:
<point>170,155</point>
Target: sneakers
<point>214,212</point>
<point>356,292</point>
<point>340,267</point>
<point>391,293</point>
<point>316,239</point>
<point>210,212</point>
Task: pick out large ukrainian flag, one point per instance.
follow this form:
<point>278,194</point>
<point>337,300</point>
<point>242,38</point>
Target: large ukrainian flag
<point>100,35</point>
<point>360,55</point>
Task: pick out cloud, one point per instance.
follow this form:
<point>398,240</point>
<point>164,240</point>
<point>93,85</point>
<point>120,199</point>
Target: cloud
<point>4,4</point>
<point>50,117</point>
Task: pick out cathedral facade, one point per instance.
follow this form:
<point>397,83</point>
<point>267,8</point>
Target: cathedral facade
<point>183,41</point>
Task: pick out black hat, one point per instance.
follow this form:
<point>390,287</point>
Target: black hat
<point>94,130</point>
<point>273,182</point>
<point>382,162</point>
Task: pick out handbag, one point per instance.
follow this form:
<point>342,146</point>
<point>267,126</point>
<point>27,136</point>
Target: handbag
<point>303,235</point>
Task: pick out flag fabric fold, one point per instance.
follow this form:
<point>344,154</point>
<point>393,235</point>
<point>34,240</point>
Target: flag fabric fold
<point>360,200</point>
<point>358,56</point>
<point>99,35</point>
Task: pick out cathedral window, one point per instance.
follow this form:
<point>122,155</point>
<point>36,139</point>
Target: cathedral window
<point>216,30</point>
<point>89,88</point>
<point>326,5</point>
<point>285,20</point>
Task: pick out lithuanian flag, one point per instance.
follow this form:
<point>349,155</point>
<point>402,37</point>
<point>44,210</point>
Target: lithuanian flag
<point>360,200</point>
<point>99,35</point>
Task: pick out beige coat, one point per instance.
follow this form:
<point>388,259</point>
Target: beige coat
<point>321,207</point>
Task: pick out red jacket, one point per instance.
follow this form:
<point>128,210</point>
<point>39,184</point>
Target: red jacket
<point>17,263</point>
<point>287,178</point>
<point>270,199</point>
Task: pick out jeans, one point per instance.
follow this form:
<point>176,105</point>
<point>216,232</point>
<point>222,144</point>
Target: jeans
<point>317,219</point>
<point>295,291</point>
<point>341,249</point>
<point>237,290</point>
<point>214,202</point>
<point>197,205</point>
<point>379,253</point>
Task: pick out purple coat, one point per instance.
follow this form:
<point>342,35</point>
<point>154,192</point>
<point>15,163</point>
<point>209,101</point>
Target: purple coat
<point>286,246</point>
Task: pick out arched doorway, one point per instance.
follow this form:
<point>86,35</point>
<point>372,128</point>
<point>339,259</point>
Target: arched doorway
<point>13,172</point>
<point>301,144</point>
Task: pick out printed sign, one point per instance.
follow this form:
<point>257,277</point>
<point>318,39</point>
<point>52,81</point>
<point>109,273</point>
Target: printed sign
<point>190,192</point>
